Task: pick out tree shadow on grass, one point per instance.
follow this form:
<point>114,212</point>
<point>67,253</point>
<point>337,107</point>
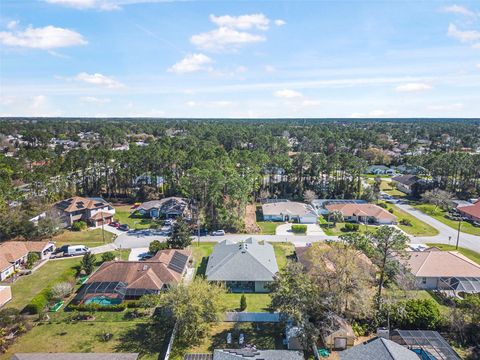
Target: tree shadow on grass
<point>202,268</point>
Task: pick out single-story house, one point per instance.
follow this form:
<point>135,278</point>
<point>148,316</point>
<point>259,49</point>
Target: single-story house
<point>320,204</point>
<point>405,183</point>
<point>338,335</point>
<point>363,213</point>
<point>5,295</point>
<point>434,269</point>
<point>75,356</point>
<point>13,254</point>
<point>380,170</point>
<point>378,349</point>
<point>471,212</point>
<point>247,266</point>
<point>127,280</point>
<point>94,211</point>
<point>168,208</point>
<point>289,211</point>
<point>427,344</point>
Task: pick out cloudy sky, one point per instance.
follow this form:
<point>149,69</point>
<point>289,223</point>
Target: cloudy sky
<point>239,58</point>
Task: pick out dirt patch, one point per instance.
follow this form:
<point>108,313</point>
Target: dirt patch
<point>250,219</point>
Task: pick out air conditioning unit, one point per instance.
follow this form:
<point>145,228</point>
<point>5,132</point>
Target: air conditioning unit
<point>383,333</point>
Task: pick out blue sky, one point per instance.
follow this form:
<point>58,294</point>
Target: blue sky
<point>239,58</point>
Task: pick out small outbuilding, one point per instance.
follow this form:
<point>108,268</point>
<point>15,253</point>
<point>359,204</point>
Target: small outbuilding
<point>338,334</point>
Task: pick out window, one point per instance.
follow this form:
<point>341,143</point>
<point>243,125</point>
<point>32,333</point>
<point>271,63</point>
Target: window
<point>424,280</point>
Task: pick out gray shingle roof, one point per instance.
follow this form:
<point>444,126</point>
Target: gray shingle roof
<point>378,349</point>
<point>257,354</point>
<point>244,261</point>
<point>75,356</point>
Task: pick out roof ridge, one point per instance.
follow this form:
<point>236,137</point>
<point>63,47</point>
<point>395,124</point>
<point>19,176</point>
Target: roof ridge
<point>423,263</point>
<point>461,257</point>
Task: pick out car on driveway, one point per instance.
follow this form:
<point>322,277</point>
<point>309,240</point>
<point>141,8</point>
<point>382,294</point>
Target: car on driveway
<point>124,227</point>
<point>218,233</point>
<point>145,256</point>
<point>115,224</point>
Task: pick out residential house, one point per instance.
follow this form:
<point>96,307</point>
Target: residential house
<point>434,269</point>
<point>378,349</point>
<point>247,266</point>
<point>363,213</point>
<point>337,334</point>
<point>427,344</point>
<point>380,170</point>
<point>13,254</point>
<point>320,204</point>
<point>247,353</point>
<point>125,280</point>
<point>289,211</point>
<point>93,211</point>
<point>75,356</point>
<point>171,207</point>
<point>471,212</point>
<point>406,183</point>
<point>5,295</point>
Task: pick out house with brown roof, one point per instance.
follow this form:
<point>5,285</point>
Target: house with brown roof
<point>471,212</point>
<point>13,254</point>
<point>168,208</point>
<point>406,183</point>
<point>127,280</point>
<point>94,211</point>
<point>434,269</point>
<point>363,213</point>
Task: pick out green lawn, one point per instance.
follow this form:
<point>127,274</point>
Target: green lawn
<point>90,238</point>
<point>330,230</point>
<point>282,251</point>
<point>124,215</point>
<point>418,228</point>
<point>389,188</point>
<point>255,302</point>
<point>439,214</point>
<point>472,255</point>
<point>267,227</point>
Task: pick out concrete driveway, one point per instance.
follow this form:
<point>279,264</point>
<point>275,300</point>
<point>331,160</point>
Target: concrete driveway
<point>136,253</point>
<point>286,229</point>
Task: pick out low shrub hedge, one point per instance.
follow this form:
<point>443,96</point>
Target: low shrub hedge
<point>351,227</point>
<point>38,303</point>
<point>97,307</point>
<point>299,229</point>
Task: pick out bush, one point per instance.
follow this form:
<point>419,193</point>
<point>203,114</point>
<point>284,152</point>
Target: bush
<point>79,226</point>
<point>383,205</point>
<point>61,290</point>
<point>390,211</point>
<point>406,222</point>
<point>351,227</point>
<point>299,229</point>
<point>155,246</point>
<point>243,303</point>
<point>416,314</point>
<point>32,258</point>
<point>38,303</point>
<point>108,256</point>
<point>97,307</point>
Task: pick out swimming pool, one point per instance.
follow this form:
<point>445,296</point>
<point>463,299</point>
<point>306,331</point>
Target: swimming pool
<point>102,300</point>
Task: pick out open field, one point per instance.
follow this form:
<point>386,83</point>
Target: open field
<point>418,228</point>
<point>439,214</point>
<point>472,255</point>
<point>90,238</point>
<point>123,214</point>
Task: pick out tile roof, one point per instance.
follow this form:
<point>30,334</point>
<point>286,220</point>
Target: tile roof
<point>378,349</point>
<point>80,203</point>
<point>75,356</point>
<point>248,260</point>
<point>101,215</point>
<point>11,251</point>
<point>472,210</point>
<point>370,210</point>
<point>170,204</point>
<point>406,179</point>
<point>288,208</point>
<point>441,264</point>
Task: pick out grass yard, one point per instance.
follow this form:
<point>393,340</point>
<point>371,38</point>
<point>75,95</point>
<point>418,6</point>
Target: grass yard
<point>262,335</point>
<point>418,228</point>
<point>439,214</point>
<point>255,302</point>
<point>124,215</point>
<point>267,227</point>
<point>282,252</point>
<point>472,255</point>
<point>389,188</point>
<point>90,238</point>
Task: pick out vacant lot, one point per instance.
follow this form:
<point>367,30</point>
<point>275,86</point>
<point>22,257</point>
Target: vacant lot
<point>439,214</point>
<point>90,238</point>
<point>417,228</point>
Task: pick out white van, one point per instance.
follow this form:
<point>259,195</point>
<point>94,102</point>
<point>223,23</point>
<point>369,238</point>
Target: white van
<point>77,250</point>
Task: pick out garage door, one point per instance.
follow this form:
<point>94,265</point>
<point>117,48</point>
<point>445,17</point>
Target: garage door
<point>340,343</point>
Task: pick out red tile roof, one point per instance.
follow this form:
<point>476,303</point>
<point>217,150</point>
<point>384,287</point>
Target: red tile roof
<point>472,210</point>
<point>370,210</point>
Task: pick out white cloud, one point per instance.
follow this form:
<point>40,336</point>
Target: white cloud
<point>224,38</point>
<point>308,102</point>
<point>12,24</point>
<point>464,36</point>
<point>270,68</point>
<point>476,46</point>
<point>446,107</point>
<point>191,63</point>
<point>375,114</point>
<point>242,22</point>
<point>280,22</point>
<point>99,79</point>
<point>413,87</point>
<point>287,94</point>
<point>94,100</point>
<point>210,104</point>
<point>478,65</point>
<point>457,9</point>
<point>48,37</point>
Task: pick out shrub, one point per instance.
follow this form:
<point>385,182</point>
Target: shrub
<point>88,263</point>
<point>108,256</point>
<point>243,302</point>
<point>32,258</point>
<point>383,205</point>
<point>390,211</point>
<point>416,314</point>
<point>61,290</point>
<point>38,302</point>
<point>79,226</point>
<point>299,229</point>
<point>351,227</point>
<point>406,222</point>
<point>156,246</point>
<point>97,307</point>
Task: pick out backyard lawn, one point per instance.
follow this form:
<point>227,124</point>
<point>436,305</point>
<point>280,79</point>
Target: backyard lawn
<point>472,255</point>
<point>389,188</point>
<point>255,302</point>
<point>418,228</point>
<point>439,214</point>
<point>267,227</point>
<point>90,238</point>
<point>124,215</point>
<point>330,230</point>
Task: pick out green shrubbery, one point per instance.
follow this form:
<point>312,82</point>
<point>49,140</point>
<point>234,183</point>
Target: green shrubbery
<point>349,227</point>
<point>97,307</point>
<point>299,229</point>
<point>32,258</point>
<point>416,314</point>
<point>79,226</point>
<point>243,302</point>
<point>406,222</point>
<point>38,303</point>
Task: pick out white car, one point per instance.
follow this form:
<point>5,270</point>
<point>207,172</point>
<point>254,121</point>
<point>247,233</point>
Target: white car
<point>218,233</point>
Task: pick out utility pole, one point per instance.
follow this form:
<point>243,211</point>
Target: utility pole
<point>458,234</point>
<point>103,229</point>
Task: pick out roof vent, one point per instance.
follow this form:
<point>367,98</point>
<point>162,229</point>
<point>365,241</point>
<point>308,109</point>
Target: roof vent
<point>145,267</point>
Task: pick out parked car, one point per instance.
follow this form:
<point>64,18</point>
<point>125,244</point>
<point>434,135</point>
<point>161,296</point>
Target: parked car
<point>218,233</point>
<point>145,256</point>
<point>476,223</point>
<point>124,227</point>
<point>115,224</point>
<point>76,250</point>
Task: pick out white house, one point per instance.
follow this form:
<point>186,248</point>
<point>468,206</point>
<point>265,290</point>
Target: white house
<point>289,211</point>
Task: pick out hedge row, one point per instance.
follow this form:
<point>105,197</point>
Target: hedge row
<point>97,307</point>
<point>300,229</point>
<point>38,302</point>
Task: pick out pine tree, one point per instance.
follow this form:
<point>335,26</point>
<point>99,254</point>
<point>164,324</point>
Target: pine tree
<point>243,303</point>
<point>180,237</point>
